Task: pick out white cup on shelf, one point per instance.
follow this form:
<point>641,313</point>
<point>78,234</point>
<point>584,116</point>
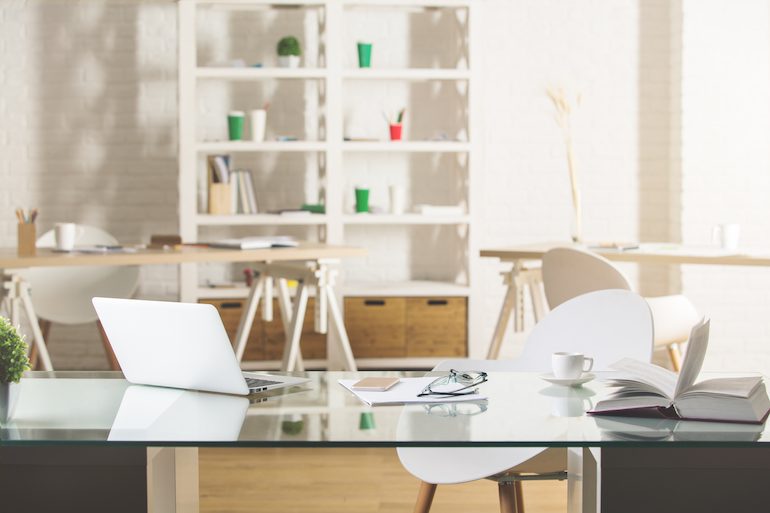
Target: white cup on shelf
<point>570,365</point>
<point>258,119</point>
<point>397,199</point>
<point>727,236</point>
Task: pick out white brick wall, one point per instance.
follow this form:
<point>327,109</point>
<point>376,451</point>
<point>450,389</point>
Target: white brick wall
<point>88,110</point>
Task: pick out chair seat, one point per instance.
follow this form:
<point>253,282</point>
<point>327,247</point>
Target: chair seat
<point>440,465</point>
<point>673,318</point>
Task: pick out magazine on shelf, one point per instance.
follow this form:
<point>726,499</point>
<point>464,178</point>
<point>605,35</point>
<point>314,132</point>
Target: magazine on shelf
<point>276,241</point>
<point>644,389</point>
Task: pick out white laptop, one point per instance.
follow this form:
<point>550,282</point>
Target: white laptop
<point>178,345</point>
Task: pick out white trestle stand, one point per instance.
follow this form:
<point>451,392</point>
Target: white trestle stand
<point>15,298</point>
<point>519,278</point>
<point>318,273</point>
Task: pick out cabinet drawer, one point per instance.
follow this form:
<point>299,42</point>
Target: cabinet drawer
<point>436,326</point>
<point>376,326</point>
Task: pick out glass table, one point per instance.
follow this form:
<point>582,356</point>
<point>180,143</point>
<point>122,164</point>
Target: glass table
<point>96,430</point>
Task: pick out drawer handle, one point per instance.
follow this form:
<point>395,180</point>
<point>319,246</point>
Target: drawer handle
<point>231,304</point>
<point>374,302</point>
<point>437,302</point>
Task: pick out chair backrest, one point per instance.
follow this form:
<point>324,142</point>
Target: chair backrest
<point>607,325</point>
<point>570,272</point>
<point>63,294</point>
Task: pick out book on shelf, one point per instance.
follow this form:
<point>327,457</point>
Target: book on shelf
<point>644,389</point>
<point>219,168</point>
<point>242,195</point>
<point>275,241</point>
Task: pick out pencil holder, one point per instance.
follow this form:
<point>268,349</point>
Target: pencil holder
<point>26,239</point>
<point>220,198</point>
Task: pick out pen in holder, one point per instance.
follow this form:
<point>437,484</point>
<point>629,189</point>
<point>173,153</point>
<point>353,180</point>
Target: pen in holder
<point>26,232</point>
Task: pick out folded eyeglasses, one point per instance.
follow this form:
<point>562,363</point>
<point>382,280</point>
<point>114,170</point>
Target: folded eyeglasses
<point>445,386</point>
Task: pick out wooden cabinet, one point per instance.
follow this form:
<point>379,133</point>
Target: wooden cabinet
<point>266,339</point>
<point>436,326</point>
<point>396,327</point>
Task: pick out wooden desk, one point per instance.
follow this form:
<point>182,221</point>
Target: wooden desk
<point>16,290</point>
<point>525,273</point>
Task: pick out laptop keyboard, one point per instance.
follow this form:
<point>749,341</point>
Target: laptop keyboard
<point>259,383</point>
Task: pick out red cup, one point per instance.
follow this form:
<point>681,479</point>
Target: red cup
<point>395,132</point>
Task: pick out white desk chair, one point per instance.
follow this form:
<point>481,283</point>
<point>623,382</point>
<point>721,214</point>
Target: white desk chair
<point>607,325</point>
<point>569,272</point>
<point>63,294</point>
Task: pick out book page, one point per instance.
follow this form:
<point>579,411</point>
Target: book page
<point>658,380</point>
<point>693,358</point>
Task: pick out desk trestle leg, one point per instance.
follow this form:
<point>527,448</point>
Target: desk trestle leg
<point>16,292</point>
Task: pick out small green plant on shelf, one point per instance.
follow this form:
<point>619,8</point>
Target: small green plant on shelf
<point>289,52</point>
<point>13,353</point>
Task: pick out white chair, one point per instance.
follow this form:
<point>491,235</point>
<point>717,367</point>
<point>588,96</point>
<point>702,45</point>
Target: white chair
<point>570,272</point>
<point>607,325</point>
<point>63,294</point>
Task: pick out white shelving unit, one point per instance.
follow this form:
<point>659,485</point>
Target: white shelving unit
<point>334,77</point>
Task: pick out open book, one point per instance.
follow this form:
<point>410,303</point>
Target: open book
<point>644,389</point>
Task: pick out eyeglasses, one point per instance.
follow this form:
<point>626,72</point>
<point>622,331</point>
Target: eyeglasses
<point>456,409</point>
<point>445,385</point>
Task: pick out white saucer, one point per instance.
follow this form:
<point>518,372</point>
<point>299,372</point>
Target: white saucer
<point>569,382</point>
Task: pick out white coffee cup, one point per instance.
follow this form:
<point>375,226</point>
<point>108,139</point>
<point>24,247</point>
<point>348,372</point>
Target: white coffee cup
<point>66,234</point>
<point>258,122</point>
<point>570,365</point>
<point>727,236</point>
<point>397,200</point>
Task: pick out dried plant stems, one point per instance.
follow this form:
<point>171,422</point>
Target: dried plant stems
<point>562,116</point>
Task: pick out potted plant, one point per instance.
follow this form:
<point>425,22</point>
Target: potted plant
<point>289,52</point>
<point>13,363</point>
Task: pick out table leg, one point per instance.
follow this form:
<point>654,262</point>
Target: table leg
<point>284,305</point>
<point>17,296</point>
<point>247,318</point>
<point>502,322</point>
<point>341,332</point>
<point>583,480</point>
<point>172,480</point>
<point>291,347</point>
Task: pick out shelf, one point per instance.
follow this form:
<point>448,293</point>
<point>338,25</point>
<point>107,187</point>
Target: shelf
<point>246,146</point>
<point>259,219</point>
<point>410,219</point>
<point>415,288</point>
<point>407,146</point>
<point>260,73</point>
<point>406,74</point>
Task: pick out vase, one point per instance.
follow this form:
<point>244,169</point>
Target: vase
<point>9,395</point>
<point>288,61</point>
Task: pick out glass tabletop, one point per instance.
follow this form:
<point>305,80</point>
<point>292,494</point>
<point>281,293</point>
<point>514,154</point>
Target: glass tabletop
<point>520,409</point>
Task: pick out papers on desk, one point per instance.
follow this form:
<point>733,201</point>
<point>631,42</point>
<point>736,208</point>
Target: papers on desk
<point>278,241</point>
<point>405,392</point>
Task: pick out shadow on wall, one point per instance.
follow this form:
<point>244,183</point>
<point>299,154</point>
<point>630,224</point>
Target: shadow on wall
<point>106,120</point>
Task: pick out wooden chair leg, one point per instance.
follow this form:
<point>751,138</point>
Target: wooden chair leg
<point>109,353</point>
<point>425,497</point>
<point>508,496</point>
<point>34,356</point>
<point>675,355</point>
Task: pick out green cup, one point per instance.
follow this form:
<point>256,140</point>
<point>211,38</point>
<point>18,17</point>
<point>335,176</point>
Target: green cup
<point>235,125</point>
<point>364,55</point>
<point>362,199</point>
<point>366,421</point>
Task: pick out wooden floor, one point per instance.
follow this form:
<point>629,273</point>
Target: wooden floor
<point>342,481</point>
